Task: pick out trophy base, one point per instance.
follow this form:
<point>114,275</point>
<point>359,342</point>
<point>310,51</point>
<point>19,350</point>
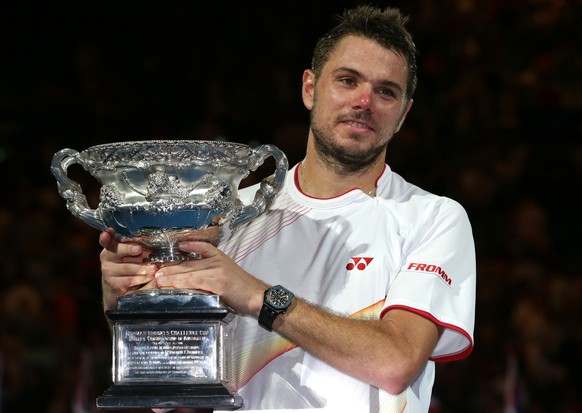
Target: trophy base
<point>150,396</point>
<point>171,349</point>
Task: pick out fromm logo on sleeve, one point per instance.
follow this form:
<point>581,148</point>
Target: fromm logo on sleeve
<point>435,269</point>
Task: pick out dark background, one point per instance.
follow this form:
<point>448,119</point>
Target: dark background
<point>495,125</point>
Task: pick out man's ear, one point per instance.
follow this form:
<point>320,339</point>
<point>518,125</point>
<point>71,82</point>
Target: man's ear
<point>307,88</point>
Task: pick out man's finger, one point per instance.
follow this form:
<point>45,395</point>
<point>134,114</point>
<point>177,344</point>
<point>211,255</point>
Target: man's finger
<point>105,239</point>
<point>205,249</point>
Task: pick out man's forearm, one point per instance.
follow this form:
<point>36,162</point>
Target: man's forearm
<point>383,353</point>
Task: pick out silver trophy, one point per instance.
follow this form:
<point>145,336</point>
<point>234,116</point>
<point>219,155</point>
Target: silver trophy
<point>171,348</point>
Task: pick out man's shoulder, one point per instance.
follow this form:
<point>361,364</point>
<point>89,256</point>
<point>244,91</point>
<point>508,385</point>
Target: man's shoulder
<point>401,191</point>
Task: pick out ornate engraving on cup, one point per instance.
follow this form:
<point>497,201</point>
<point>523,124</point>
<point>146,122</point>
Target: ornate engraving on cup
<point>170,347</point>
<point>160,192</point>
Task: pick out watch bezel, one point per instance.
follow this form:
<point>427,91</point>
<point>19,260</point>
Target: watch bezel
<point>278,297</point>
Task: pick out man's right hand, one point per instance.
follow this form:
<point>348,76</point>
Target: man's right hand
<point>122,269</point>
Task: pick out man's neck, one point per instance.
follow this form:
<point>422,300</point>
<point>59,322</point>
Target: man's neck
<point>319,180</point>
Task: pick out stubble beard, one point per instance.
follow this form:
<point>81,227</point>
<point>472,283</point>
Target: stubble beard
<point>339,158</point>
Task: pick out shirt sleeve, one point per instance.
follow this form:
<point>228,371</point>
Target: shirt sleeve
<point>438,277</point>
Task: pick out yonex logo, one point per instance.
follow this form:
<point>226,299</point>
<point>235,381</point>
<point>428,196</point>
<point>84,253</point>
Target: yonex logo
<point>431,268</point>
<point>359,263</point>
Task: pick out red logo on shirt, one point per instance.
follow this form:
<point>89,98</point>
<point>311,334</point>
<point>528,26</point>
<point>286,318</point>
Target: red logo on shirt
<point>435,269</point>
<point>359,263</point>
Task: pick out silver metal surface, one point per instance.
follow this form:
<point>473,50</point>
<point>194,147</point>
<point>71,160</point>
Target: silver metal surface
<point>171,348</point>
<point>160,192</point>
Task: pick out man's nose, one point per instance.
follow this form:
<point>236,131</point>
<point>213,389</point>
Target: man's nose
<point>363,99</point>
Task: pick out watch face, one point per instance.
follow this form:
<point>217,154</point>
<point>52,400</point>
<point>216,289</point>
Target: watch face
<point>279,298</point>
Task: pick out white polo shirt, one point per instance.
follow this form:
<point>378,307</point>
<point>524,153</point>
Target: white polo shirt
<point>357,256</point>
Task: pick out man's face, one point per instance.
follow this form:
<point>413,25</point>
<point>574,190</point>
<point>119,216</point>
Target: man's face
<point>357,103</point>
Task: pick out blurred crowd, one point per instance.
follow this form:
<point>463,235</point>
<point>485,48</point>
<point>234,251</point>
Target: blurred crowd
<point>496,125</point>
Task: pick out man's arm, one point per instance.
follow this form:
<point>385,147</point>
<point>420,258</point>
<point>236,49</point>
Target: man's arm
<point>387,353</point>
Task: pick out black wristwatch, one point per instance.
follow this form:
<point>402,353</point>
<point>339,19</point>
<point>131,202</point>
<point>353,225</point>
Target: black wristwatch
<point>276,301</point>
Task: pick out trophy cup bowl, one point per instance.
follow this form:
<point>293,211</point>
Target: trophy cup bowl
<point>170,347</point>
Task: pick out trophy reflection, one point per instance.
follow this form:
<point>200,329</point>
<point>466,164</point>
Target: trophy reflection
<point>171,348</point>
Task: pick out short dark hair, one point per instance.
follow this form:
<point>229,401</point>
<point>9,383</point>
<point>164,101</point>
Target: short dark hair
<point>385,26</point>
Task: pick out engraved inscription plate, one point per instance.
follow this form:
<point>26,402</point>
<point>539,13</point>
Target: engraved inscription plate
<point>167,352</point>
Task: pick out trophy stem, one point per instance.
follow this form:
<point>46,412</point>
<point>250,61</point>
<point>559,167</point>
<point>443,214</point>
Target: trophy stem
<point>170,254</point>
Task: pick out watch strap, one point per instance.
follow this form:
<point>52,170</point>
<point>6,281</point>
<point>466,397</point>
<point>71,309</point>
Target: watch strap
<point>267,317</point>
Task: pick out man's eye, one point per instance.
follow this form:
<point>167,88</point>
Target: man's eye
<point>387,92</point>
<point>347,81</point>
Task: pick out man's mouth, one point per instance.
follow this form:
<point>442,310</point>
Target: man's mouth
<point>357,124</point>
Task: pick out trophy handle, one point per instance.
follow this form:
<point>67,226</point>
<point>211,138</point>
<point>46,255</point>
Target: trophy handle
<point>71,191</point>
<point>269,187</point>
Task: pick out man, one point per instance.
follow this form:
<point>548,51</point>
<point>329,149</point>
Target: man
<point>382,272</point>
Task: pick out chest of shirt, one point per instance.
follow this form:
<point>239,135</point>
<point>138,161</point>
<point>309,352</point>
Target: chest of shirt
<point>344,262</point>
